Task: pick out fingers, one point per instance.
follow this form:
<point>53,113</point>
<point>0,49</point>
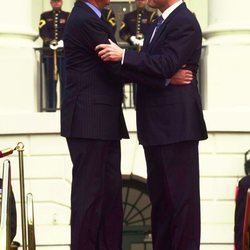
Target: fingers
<point>188,75</point>
<point>101,46</point>
<point>104,51</point>
<point>105,54</point>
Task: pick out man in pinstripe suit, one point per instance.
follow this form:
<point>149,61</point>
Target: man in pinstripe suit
<point>93,123</point>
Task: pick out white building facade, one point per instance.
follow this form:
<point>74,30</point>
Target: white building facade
<point>225,88</point>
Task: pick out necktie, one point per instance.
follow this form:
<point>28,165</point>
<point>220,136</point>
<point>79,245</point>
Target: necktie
<point>159,21</point>
<point>103,18</point>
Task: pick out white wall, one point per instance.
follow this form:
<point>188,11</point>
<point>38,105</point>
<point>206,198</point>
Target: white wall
<point>200,8</point>
<point>47,163</point>
<point>48,172</point>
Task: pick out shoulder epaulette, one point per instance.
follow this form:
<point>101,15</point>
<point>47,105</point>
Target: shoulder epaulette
<point>153,16</point>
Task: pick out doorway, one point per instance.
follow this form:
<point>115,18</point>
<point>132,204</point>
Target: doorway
<point>137,214</point>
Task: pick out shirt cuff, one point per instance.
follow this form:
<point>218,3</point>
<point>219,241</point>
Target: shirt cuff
<point>123,54</point>
<point>167,81</point>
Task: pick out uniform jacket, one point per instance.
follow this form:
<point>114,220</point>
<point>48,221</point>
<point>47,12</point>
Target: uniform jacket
<point>109,16</point>
<point>136,23</point>
<point>169,114</point>
<point>51,25</point>
<point>91,106</point>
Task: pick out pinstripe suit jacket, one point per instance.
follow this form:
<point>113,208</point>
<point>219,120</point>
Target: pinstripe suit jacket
<point>91,105</point>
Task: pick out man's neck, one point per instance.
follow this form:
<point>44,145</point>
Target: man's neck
<point>169,4</point>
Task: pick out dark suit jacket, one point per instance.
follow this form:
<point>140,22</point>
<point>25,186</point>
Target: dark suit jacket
<point>91,105</point>
<point>168,114</point>
<point>241,198</point>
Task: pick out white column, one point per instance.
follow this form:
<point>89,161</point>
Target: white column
<point>226,64</point>
<point>17,58</point>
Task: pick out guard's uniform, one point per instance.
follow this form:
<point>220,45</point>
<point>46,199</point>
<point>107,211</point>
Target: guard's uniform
<point>136,23</point>
<point>51,27</point>
<point>108,16</point>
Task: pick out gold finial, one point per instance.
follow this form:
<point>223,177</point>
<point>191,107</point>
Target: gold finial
<point>20,146</point>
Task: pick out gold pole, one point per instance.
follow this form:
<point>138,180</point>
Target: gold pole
<point>5,208</point>
<point>20,149</point>
<point>55,75</point>
<point>30,221</point>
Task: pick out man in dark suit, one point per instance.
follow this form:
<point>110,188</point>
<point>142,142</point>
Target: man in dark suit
<point>169,122</point>
<point>93,123</point>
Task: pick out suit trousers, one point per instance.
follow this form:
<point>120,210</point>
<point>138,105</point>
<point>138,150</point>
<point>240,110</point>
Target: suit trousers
<point>173,185</point>
<point>96,195</point>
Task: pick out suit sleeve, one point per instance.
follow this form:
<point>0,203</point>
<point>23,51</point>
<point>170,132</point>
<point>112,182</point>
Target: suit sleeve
<point>97,32</point>
<point>179,45</point>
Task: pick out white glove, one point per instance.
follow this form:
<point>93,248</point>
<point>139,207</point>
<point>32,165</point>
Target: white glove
<point>140,42</point>
<point>133,39</point>
<point>136,41</point>
<point>60,44</point>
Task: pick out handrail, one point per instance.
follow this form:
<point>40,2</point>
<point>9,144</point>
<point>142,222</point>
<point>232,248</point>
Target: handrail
<point>20,149</point>
<point>5,204</point>
<point>30,221</point>
<point>5,207</point>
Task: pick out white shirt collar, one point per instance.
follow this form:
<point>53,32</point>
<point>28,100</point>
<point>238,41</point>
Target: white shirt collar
<point>169,10</point>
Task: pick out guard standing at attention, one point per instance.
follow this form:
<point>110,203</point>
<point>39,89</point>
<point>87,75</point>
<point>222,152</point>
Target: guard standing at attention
<point>51,28</point>
<point>135,24</point>
<point>133,28</point>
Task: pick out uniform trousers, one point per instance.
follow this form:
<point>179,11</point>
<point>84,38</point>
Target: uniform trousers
<point>51,84</point>
<point>173,185</point>
<point>96,195</point>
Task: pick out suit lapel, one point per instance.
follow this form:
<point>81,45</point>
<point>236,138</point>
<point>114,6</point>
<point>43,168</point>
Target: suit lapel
<point>164,26</point>
<point>148,35</point>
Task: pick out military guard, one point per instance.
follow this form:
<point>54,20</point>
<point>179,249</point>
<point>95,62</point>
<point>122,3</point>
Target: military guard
<point>136,23</point>
<point>108,16</point>
<point>133,28</point>
<point>51,28</point>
